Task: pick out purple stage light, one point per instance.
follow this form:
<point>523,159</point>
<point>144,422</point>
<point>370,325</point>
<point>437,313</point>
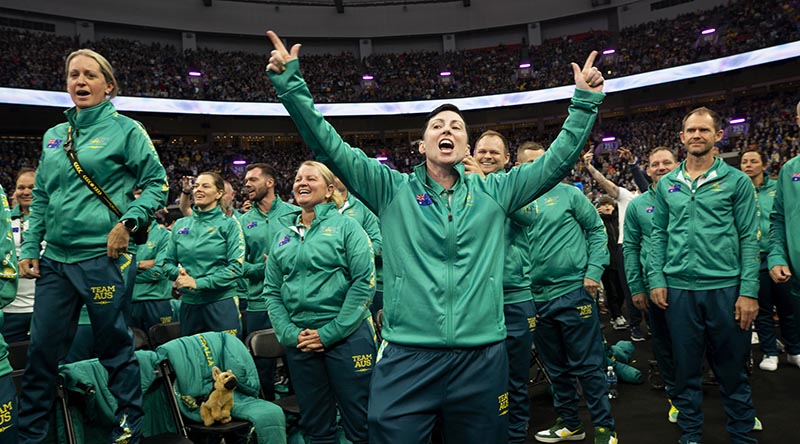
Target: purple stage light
<point>240,162</point>
<point>525,65</point>
<point>708,31</point>
<point>381,158</point>
<point>445,74</point>
<point>738,120</point>
<point>367,77</point>
<point>609,139</point>
<point>609,51</point>
<point>195,73</point>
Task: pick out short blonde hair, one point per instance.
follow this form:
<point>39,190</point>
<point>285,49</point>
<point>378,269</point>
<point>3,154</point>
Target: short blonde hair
<point>328,177</point>
<point>105,68</point>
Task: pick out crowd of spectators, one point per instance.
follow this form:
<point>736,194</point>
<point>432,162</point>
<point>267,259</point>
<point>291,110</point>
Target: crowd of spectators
<point>34,60</point>
<point>769,125</point>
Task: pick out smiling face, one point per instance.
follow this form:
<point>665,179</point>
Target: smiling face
<point>661,162</point>
<point>206,193</point>
<point>310,188</point>
<point>752,164</point>
<point>24,190</point>
<point>444,143</point>
<point>257,184</point>
<point>699,134</point>
<point>86,84</point>
<point>491,154</point>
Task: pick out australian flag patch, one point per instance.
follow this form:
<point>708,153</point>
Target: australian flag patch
<point>284,241</point>
<point>674,188</point>
<point>54,143</point>
<point>184,230</point>
<point>424,200</point>
<point>796,177</point>
<point>252,224</point>
<point>649,209</point>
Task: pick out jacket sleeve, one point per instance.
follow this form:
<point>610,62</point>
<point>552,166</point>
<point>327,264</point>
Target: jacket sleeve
<point>226,277</point>
<point>171,269</point>
<point>596,237</point>
<point>285,329</point>
<point>632,249</point>
<point>659,238</point>
<point>639,178</point>
<point>525,183</point>
<point>778,242</point>
<point>142,159</point>
<point>373,228</point>
<point>34,235</point>
<point>9,276</point>
<point>373,182</point>
<point>744,213</point>
<point>361,265</point>
<point>156,273</point>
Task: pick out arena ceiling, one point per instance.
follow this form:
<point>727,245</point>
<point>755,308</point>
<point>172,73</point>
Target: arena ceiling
<point>344,3</point>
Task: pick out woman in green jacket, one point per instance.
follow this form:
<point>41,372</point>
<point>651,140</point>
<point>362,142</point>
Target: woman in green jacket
<point>771,296</point>
<point>319,282</point>
<point>209,246</point>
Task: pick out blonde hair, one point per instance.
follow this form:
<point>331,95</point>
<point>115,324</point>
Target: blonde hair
<point>328,177</point>
<point>105,68</point>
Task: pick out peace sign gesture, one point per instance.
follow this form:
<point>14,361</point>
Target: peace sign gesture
<point>279,57</point>
<point>588,78</point>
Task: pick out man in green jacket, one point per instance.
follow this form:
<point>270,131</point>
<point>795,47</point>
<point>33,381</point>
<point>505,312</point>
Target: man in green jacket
<point>491,156</point>
<point>442,232</point>
<point>153,290</point>
<point>784,247</point>
<point>568,254</point>
<point>267,216</point>
<point>703,270</point>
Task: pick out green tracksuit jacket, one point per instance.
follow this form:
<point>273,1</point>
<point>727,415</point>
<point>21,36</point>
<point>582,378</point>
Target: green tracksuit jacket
<point>765,198</point>
<point>322,278</point>
<point>442,249</point>
<point>705,232</point>
<point>152,284</point>
<point>259,229</point>
<point>784,241</point>
<point>369,222</point>
<point>517,261</point>
<point>210,246</point>
<point>118,154</point>
<point>568,243</point>
<point>8,274</point>
<point>636,244</point>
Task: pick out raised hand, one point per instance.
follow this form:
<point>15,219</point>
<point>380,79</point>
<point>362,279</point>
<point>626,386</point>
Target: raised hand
<point>588,78</point>
<point>279,57</point>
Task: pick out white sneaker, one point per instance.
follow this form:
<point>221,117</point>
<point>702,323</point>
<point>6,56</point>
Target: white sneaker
<point>793,359</point>
<point>769,363</point>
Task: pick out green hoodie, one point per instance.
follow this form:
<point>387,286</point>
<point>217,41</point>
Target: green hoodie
<point>371,224</point>
<point>568,243</point>
<point>117,153</point>
<point>765,197</point>
<point>259,229</point>
<point>443,249</point>
<point>8,276</point>
<point>784,249</point>
<point>152,284</point>
<point>210,246</point>
<point>321,277</point>
<point>705,232</point>
<point>636,244</point>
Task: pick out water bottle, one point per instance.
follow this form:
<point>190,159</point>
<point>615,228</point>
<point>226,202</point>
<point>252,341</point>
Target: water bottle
<point>611,378</point>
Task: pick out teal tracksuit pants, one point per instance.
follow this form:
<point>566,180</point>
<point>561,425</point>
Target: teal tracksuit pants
<point>700,321</point>
<point>520,319</point>
<point>213,316</point>
<point>569,340</point>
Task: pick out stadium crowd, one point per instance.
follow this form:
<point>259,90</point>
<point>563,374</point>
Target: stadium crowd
<point>33,60</point>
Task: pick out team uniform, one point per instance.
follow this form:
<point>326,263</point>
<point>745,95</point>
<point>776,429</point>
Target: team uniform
<point>17,314</point>
<point>259,229</point>
<point>443,327</point>
<point>153,290</point>
<point>568,244</point>
<point>369,222</point>
<point>636,249</point>
<point>9,278</point>
<point>75,267</point>
<point>705,252</point>
<point>322,278</point>
<point>210,246</point>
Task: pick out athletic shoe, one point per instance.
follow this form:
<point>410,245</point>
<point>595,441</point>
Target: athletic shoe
<point>757,427</point>
<point>793,359</point>
<point>619,323</point>
<point>672,416</point>
<point>636,334</point>
<point>604,435</point>
<point>561,432</point>
<point>769,363</point>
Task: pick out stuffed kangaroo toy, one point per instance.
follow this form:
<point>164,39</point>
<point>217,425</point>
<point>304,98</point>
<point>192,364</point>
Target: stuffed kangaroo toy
<point>220,401</point>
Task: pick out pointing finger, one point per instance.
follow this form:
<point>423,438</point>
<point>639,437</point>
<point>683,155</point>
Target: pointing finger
<point>276,42</point>
<point>589,61</point>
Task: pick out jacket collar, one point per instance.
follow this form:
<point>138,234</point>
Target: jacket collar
<point>206,215</point>
<point>421,173</point>
<point>89,116</point>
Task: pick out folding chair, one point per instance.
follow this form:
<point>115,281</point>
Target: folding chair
<point>162,333</point>
<point>141,340</point>
<point>264,344</point>
<point>538,370</point>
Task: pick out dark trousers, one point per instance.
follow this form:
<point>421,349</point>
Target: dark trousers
<point>16,327</point>
<point>259,320</point>
<point>338,376</point>
<point>662,346</point>
<point>214,316</point>
<point>697,318</point>
<point>568,339</point>
<point>145,314</point>
<point>464,388</point>
<point>772,296</point>
<point>520,320</point>
<point>105,286</point>
<point>8,410</point>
